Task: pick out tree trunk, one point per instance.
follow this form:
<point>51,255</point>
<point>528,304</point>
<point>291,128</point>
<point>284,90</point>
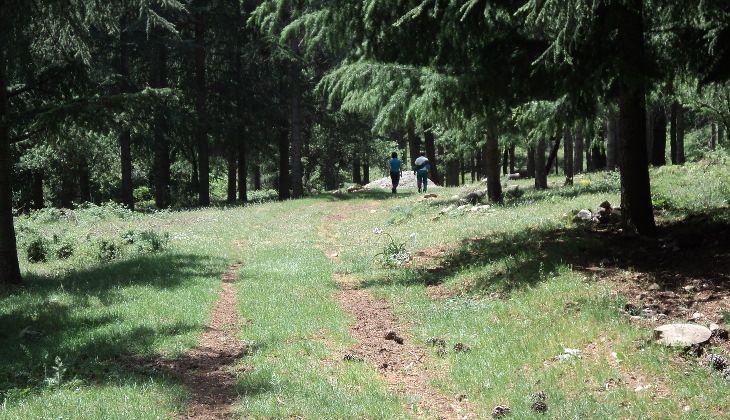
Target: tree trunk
<point>462,169</point>
<point>680,135</point>
<point>356,174</point>
<point>257,176</point>
<point>505,161</point>
<point>673,133</point>
<point>473,161</point>
<point>365,173</point>
<point>713,136</point>
<point>588,146</point>
<point>414,145</point>
<point>511,154</point>
<point>633,159</point>
<point>9,267</point>
<point>125,142</point>
<point>68,188</point>
<point>36,193</point>
<point>452,176</point>
<point>161,159</point>
<point>242,167</point>
<point>553,156</point>
<point>297,171</point>
<point>232,166</point>
<point>540,167</point>
<point>284,183</point>
<point>611,141</point>
<point>578,152</point>
<point>531,162</point>
<point>492,155</point>
<point>431,154</point>
<point>659,148</point>
<point>568,157</point>
<point>650,117</point>
<point>201,131</point>
<point>598,157</point>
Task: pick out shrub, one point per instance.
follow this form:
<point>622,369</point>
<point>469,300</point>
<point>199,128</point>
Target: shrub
<point>151,241</point>
<point>65,249</point>
<point>143,193</point>
<point>107,250</point>
<point>37,250</point>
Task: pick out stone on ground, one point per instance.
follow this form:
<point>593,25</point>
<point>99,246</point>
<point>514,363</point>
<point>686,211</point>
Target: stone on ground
<point>682,334</point>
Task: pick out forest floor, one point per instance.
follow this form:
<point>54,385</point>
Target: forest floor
<point>286,310</point>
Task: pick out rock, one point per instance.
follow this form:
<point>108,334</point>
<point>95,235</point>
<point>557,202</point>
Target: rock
<point>703,296</point>
<point>697,316</point>
<point>393,336</point>
<point>436,342</point>
<point>448,209</point>
<point>654,286</point>
<point>431,195</point>
<point>584,214</point>
<point>514,176</point>
<point>682,334</point>
<point>462,207</point>
<point>605,205</point>
<point>500,411</point>
<point>539,406</point>
<point>350,357</point>
<point>716,361</point>
<point>689,289</point>
<point>569,354</point>
<point>355,188</point>
<point>473,197</point>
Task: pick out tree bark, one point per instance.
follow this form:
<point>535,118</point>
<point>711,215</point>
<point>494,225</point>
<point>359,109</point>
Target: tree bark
<point>578,149</point>
<point>257,176</point>
<point>531,161</point>
<point>713,136</point>
<point>431,154</point>
<point>297,171</point>
<point>242,167</point>
<point>414,145</point>
<point>680,135</point>
<point>659,148</point>
<point>568,157</point>
<point>232,170</point>
<point>505,161</point>
<point>356,174</point>
<point>284,178</point>
<point>492,155</point>
<point>650,117</point>
<point>611,141</point>
<point>453,171</point>
<point>161,159</point>
<point>462,169</point>
<point>125,142</point>
<point>673,133</point>
<point>511,155</point>
<point>540,167</point>
<point>553,156</point>
<point>365,173</point>
<point>9,267</point>
<point>633,158</point>
<point>201,131</point>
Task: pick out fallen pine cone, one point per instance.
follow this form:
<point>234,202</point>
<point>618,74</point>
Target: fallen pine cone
<point>461,348</point>
<point>539,406</point>
<point>500,411</point>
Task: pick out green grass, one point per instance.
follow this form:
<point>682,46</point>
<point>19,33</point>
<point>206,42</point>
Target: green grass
<point>69,332</point>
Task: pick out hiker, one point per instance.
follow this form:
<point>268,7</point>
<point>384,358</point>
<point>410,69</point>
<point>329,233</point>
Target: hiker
<point>396,170</point>
<point>421,166</point>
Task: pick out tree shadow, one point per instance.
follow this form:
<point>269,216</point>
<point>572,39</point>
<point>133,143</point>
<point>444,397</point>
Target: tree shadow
<point>364,195</point>
<point>694,248</point>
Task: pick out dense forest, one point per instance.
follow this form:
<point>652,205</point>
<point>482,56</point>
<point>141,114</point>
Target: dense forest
<point>160,104</point>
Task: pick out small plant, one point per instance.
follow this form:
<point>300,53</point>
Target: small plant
<point>37,250</point>
<point>59,370</point>
<point>107,250</point>
<point>395,254</point>
<point>65,249</point>
<point>151,241</point>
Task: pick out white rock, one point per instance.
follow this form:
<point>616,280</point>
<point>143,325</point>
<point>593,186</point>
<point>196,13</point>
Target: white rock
<point>682,334</point>
<point>585,214</point>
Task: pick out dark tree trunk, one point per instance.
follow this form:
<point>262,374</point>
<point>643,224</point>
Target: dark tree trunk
<point>680,135</point>
<point>650,117</point>
<point>611,141</point>
<point>297,170</point>
<point>659,148</point>
<point>242,168</point>
<point>568,157</point>
<point>161,159</point>
<point>9,267</point>
<point>366,173</point>
<point>578,152</point>
<point>713,136</point>
<point>201,131</point>
<point>36,191</point>
<point>257,176</point>
<point>673,133</point>
<point>84,181</point>
<point>232,166</point>
<point>68,188</point>
<point>505,161</point>
<point>540,167</point>
<point>474,169</point>
<point>511,156</point>
<point>329,170</point>
<point>588,146</point>
<point>531,162</point>
<point>441,180</point>
<point>633,159</point>
<point>491,158</point>
<point>356,174</point>
<point>430,144</point>
<point>452,176</point>
<point>414,145</point>
<point>598,157</point>
<point>125,141</point>
<point>284,179</point>
<point>553,156</point>
<point>462,169</point>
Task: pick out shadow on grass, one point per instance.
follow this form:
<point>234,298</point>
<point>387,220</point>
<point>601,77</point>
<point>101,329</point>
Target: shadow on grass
<point>363,195</point>
<point>507,262</point>
<point>67,317</point>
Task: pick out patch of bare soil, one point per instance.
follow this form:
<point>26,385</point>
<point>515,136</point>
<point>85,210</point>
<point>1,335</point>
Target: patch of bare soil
<point>207,370</point>
<point>682,274</point>
<point>382,343</point>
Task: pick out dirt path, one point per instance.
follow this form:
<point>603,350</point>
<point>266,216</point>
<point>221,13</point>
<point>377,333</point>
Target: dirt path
<point>382,343</point>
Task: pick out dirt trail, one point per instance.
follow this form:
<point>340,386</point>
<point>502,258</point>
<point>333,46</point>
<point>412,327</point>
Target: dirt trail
<point>401,362</point>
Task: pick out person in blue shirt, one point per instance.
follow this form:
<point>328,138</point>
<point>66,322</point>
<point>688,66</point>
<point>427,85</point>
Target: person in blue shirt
<point>395,165</point>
